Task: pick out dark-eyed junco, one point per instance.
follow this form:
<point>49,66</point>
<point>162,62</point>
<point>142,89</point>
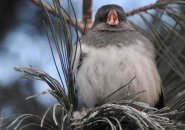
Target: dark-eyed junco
<point>110,55</point>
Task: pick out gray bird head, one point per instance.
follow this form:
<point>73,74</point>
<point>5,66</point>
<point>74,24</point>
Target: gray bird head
<point>110,17</point>
<point>110,27</point>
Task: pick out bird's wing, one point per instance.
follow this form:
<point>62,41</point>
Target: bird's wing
<point>77,57</point>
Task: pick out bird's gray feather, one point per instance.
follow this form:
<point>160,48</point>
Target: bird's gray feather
<point>109,66</point>
<point>114,55</point>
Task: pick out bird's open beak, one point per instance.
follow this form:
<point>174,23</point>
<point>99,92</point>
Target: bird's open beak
<point>112,18</point>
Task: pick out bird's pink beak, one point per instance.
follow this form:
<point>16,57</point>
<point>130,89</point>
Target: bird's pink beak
<point>112,18</point>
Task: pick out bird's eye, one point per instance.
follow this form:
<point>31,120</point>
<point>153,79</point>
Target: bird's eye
<point>121,15</point>
<point>102,19</point>
<point>122,18</point>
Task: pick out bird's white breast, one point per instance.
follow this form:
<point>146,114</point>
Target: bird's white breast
<point>106,69</point>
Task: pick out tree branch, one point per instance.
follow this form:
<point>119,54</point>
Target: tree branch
<point>158,4</point>
<point>85,25</point>
<point>71,21</point>
<point>87,14</point>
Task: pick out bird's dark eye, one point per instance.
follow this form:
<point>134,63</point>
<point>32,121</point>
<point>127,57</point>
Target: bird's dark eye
<point>102,19</point>
<point>122,18</point>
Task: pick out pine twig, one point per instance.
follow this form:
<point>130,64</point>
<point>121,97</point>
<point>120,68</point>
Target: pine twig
<point>158,4</point>
<point>83,26</point>
<point>71,21</point>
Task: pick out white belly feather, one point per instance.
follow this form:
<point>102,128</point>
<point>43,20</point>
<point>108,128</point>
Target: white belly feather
<point>106,69</point>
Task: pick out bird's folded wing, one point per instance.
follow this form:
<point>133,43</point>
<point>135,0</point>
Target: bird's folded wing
<point>77,57</point>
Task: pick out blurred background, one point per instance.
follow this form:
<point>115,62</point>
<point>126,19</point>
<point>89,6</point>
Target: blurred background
<point>23,43</point>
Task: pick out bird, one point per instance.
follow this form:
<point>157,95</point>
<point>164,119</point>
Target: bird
<point>111,54</point>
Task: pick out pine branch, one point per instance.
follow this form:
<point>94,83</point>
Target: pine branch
<point>85,25</point>
<point>69,20</point>
<point>158,4</point>
<point>121,114</point>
